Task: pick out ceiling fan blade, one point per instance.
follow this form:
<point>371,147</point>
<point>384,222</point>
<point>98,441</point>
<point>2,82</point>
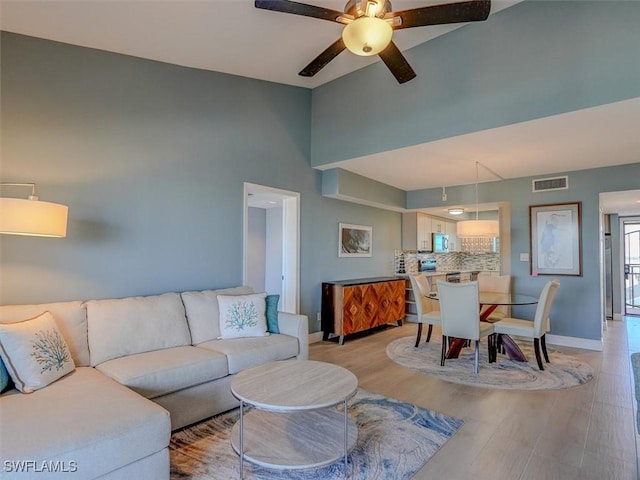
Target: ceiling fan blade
<point>470,11</point>
<point>325,57</point>
<point>303,9</point>
<point>395,61</point>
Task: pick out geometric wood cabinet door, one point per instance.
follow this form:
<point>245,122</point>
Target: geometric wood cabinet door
<point>351,306</point>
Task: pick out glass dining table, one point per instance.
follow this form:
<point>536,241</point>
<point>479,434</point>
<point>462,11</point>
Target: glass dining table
<point>492,300</point>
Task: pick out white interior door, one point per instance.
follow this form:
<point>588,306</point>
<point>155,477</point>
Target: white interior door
<point>281,242</point>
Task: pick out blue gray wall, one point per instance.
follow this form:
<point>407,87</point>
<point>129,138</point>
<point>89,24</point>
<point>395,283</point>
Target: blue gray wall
<point>151,157</point>
<point>151,160</point>
<point>532,60</point>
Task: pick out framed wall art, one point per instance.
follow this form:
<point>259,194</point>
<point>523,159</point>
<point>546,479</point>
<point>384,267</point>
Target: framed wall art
<point>354,240</point>
<point>555,241</point>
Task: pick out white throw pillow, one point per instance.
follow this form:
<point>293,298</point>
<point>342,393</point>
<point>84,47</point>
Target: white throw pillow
<point>242,315</point>
<point>35,352</point>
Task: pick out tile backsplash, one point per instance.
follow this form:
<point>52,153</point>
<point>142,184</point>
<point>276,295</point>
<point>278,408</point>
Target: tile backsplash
<point>407,261</point>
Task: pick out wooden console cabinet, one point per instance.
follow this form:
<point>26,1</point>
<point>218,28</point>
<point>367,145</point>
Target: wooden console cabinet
<point>351,306</point>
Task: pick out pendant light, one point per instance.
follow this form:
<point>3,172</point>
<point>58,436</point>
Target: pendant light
<point>477,228</point>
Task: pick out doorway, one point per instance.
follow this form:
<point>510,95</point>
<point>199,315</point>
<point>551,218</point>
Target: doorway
<point>271,243</point>
<point>631,246</point>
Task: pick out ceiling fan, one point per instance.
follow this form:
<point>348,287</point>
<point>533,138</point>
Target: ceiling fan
<point>369,26</point>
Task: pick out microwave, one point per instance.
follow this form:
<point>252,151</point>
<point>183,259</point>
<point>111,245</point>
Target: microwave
<point>440,243</point>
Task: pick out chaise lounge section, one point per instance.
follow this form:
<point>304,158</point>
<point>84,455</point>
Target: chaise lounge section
<point>144,366</point>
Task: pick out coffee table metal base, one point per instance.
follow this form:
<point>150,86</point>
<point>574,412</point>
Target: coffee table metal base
<point>294,440</point>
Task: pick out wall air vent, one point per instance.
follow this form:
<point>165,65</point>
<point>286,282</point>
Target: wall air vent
<point>546,184</point>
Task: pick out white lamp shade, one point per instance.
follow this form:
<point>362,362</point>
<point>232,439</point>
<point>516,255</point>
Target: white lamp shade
<point>477,228</point>
<point>367,36</point>
<point>32,217</point>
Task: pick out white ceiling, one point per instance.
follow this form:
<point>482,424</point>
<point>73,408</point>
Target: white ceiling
<point>232,36</point>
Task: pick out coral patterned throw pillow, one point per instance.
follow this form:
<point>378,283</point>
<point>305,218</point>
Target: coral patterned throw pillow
<point>242,315</point>
<point>35,352</point>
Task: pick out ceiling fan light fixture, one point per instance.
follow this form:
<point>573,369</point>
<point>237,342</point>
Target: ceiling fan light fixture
<point>367,36</point>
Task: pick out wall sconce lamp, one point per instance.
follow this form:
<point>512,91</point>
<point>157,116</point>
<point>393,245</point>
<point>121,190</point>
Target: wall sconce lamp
<point>30,216</point>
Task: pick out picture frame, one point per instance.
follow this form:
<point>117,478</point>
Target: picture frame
<point>555,239</point>
<point>355,240</point>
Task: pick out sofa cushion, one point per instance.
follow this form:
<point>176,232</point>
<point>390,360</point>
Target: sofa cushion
<point>35,352</point>
<point>157,373</point>
<point>85,419</point>
<point>71,318</point>
<point>243,353</point>
<point>203,311</point>
<point>243,315</point>
<point>126,326</point>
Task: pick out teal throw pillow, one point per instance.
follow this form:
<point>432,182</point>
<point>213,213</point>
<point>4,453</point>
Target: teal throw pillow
<point>5,379</point>
<point>272,313</point>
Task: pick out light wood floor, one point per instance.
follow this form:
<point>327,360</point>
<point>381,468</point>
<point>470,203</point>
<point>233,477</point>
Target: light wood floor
<point>584,433</point>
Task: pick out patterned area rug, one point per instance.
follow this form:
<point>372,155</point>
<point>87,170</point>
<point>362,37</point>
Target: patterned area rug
<point>395,439</point>
<point>564,371</point>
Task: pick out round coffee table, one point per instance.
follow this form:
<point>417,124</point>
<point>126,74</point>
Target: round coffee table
<point>293,424</point>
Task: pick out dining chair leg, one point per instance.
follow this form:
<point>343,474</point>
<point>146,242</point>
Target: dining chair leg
<point>477,357</point>
<point>493,355</point>
<point>499,345</point>
<point>429,333</point>
<point>543,343</point>
<point>444,350</point>
<point>536,347</point>
<point>419,335</point>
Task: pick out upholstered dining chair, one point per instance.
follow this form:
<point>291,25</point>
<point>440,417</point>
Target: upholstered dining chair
<point>460,317</point>
<point>426,315</point>
<point>498,284</point>
<point>536,329</point>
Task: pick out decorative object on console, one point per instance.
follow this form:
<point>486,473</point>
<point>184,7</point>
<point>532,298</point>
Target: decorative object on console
<point>555,241</point>
<point>31,216</point>
<point>370,24</point>
<point>34,352</point>
<point>243,315</point>
<point>477,227</point>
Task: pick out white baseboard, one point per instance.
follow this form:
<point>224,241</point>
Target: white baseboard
<point>618,316</point>
<point>585,343</point>
<point>315,337</point>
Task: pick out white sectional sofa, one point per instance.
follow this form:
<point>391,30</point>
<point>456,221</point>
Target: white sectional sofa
<point>144,366</point>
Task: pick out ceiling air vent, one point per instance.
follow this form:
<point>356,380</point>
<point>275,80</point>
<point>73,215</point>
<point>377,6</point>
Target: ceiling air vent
<point>546,184</point>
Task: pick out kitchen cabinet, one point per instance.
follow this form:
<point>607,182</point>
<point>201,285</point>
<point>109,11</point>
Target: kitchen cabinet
<point>438,225</point>
<point>424,232</point>
<point>451,229</point>
<point>416,232</point>
<point>351,306</point>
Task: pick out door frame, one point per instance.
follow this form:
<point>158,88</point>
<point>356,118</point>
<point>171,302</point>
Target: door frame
<point>623,295</point>
<point>290,300</point>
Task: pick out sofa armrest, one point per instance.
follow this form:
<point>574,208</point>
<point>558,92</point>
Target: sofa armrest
<point>296,326</point>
